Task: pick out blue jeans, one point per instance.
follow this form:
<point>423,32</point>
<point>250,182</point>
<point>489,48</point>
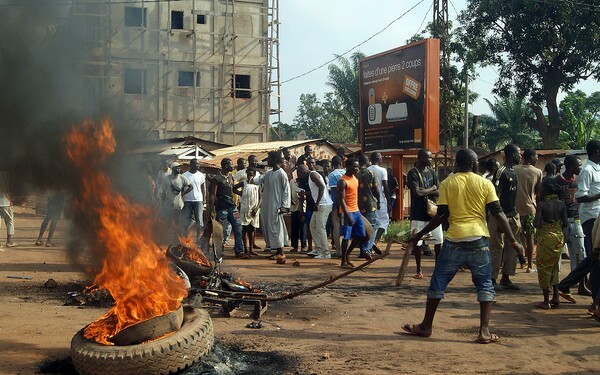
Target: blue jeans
<point>365,247</point>
<point>298,230</point>
<point>575,242</point>
<point>476,255</point>
<point>587,227</point>
<point>232,215</point>
<point>192,209</point>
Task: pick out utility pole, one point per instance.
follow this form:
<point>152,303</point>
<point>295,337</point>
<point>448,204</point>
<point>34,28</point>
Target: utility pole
<point>466,131</point>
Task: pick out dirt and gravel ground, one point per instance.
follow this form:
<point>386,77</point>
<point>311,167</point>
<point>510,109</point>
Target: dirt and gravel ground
<point>356,320</point>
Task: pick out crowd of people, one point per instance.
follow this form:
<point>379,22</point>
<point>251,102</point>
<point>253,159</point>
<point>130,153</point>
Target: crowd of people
<point>507,214</point>
<point>326,200</point>
<point>487,217</point>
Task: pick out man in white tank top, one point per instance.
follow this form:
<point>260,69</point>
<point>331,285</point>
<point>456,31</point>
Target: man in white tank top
<point>321,211</point>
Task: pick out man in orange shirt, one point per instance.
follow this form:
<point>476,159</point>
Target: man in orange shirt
<point>353,227</point>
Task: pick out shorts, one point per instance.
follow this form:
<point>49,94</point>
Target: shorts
<point>454,255</point>
<point>527,224</point>
<point>356,230</point>
<point>435,237</point>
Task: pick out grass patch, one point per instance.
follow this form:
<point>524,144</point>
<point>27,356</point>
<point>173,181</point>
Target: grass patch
<point>397,230</point>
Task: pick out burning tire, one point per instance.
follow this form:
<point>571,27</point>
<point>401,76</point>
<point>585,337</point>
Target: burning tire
<point>168,355</point>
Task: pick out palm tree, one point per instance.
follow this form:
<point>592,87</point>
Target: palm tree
<point>343,79</point>
<point>508,124</point>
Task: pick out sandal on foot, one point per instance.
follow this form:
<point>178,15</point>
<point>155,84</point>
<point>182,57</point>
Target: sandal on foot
<point>38,243</point>
<point>567,296</point>
<point>347,266</point>
<point>492,339</point>
<point>554,305</point>
<point>415,329</point>
<point>542,305</point>
<point>418,276</point>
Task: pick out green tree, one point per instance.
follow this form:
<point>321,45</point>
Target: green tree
<point>343,79</point>
<point>581,118</point>
<point>541,47</point>
<point>460,65</point>
<point>508,124</point>
<point>321,119</point>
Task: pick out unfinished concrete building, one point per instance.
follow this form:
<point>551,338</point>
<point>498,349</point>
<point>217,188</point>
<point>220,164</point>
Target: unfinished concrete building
<point>203,68</point>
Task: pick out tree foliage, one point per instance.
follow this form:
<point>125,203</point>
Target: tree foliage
<point>541,47</point>
<point>337,117</point>
<point>581,118</point>
<point>459,68</point>
<point>343,79</point>
<point>508,124</point>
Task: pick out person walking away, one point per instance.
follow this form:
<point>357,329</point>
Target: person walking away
<point>383,214</point>
<point>6,210</point>
<point>336,218</point>
<point>353,227</point>
<point>505,181</point>
<point>54,208</point>
<point>368,201</point>
<point>193,201</point>
<point>250,200</point>
<point>321,211</point>
<point>423,184</point>
<point>463,200</point>
<point>221,201</point>
<point>550,221</point>
<point>529,180</point>
<point>275,203</point>
<point>172,189</point>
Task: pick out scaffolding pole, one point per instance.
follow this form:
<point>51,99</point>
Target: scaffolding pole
<point>273,75</point>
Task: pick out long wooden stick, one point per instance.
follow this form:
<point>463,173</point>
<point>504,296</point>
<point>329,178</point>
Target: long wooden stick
<point>331,279</point>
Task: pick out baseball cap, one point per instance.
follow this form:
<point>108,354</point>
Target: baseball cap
<point>557,162</point>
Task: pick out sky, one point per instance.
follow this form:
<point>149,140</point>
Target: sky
<point>312,32</point>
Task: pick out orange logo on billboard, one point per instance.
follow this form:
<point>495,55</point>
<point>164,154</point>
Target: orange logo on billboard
<point>411,87</point>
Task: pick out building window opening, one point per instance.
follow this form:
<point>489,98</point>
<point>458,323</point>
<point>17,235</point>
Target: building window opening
<point>241,86</point>
<point>134,81</point>
<point>176,20</point>
<point>186,79</point>
<point>135,17</point>
<point>201,19</point>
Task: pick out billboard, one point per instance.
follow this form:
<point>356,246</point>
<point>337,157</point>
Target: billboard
<point>399,98</point>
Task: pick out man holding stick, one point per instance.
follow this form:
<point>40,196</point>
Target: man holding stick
<point>463,200</point>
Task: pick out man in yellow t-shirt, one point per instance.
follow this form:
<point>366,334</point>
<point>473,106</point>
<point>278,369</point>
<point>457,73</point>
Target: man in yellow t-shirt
<point>463,200</point>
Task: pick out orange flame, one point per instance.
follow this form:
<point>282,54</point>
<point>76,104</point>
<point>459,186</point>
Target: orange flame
<point>135,271</point>
<point>192,252</point>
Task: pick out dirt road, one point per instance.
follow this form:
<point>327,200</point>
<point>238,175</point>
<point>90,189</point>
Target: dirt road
<point>356,320</point>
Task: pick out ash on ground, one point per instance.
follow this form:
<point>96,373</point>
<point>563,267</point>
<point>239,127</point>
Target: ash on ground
<point>222,360</point>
